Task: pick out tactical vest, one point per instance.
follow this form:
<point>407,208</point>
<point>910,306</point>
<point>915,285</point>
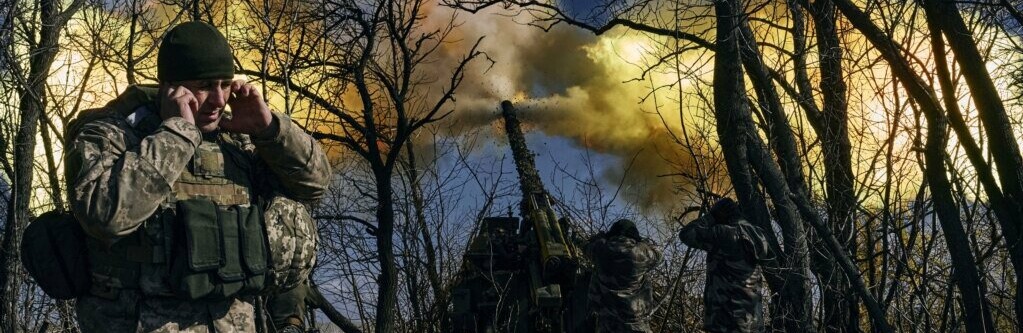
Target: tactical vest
<point>207,240</point>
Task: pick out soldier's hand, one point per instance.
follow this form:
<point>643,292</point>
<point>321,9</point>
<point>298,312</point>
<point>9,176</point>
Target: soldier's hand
<point>178,101</point>
<point>250,114</point>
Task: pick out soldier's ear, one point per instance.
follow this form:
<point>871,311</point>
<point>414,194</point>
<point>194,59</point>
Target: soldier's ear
<point>166,89</point>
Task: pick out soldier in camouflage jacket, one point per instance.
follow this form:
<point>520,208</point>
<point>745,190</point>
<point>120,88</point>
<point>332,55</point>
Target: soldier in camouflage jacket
<point>150,147</point>
<point>620,291</point>
<point>735,249</point>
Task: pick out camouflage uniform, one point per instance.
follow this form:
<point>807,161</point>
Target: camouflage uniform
<point>124,172</point>
<point>620,291</point>
<point>730,299</point>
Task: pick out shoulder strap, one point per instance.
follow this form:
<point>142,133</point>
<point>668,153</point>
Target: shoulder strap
<point>121,107</point>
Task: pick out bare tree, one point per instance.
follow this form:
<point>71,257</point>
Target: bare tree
<point>830,122</point>
<point>32,104</point>
<point>994,120</point>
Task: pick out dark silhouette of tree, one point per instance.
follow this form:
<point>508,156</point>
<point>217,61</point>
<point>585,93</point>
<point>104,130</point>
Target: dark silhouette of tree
<point>42,38</point>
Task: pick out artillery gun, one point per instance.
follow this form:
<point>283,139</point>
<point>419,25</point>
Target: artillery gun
<point>522,274</point>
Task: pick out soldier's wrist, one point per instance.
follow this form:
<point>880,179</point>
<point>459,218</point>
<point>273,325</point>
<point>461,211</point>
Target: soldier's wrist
<point>272,131</point>
<point>184,129</point>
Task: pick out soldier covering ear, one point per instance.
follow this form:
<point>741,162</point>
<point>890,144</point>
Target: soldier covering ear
<point>620,292</point>
<point>735,249</point>
<point>171,198</point>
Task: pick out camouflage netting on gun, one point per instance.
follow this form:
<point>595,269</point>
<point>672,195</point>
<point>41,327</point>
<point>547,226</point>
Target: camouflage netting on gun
<point>291,232</point>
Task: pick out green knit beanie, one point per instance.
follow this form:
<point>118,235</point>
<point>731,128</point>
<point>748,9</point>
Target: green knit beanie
<point>194,51</point>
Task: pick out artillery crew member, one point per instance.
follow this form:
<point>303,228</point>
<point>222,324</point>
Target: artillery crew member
<point>180,202</point>
<point>620,291</point>
<point>735,249</point>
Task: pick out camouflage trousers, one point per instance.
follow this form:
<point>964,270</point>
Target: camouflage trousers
<point>131,312</point>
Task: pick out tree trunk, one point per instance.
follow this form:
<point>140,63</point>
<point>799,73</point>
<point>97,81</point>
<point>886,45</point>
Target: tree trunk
<point>56,195</point>
<point>388,280</point>
<point>439,308</point>
<point>335,316</point>
<point>194,11</point>
<point>841,311</point>
<point>791,309</point>
<point>129,66</point>
<point>991,111</point>
<point>977,316</point>
<point>976,309</point>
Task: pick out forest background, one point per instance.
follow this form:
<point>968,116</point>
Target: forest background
<point>875,139</point>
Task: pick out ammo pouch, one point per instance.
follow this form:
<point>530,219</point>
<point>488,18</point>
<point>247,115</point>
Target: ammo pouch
<point>219,252</point>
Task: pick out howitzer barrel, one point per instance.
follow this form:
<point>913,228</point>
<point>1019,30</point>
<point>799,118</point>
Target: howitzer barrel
<point>557,257</point>
<point>529,178</point>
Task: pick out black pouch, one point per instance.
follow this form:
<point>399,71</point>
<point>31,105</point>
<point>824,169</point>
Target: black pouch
<point>230,276</point>
<point>198,251</point>
<point>54,253</point>
<point>254,252</point>
<point>220,252</point>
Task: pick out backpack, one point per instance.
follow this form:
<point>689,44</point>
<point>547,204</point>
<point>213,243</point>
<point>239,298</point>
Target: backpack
<point>53,252</point>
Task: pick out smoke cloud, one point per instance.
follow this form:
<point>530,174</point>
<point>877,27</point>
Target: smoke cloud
<point>569,83</point>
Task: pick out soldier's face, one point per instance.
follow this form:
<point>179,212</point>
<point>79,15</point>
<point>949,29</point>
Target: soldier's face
<point>212,96</point>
